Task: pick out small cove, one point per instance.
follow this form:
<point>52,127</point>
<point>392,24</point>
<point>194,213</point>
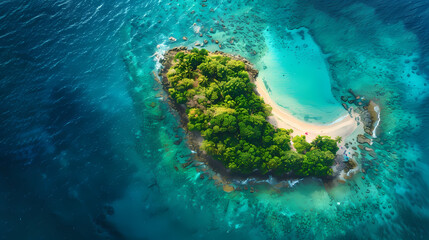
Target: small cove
<point>295,71</point>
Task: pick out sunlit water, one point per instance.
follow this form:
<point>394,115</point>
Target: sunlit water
<point>296,73</point>
<point>87,138</point>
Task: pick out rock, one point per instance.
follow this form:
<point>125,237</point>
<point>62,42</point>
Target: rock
<point>197,44</point>
<point>362,139</point>
<point>345,106</point>
<point>368,130</point>
<point>172,39</point>
<point>366,119</point>
<point>185,39</point>
<point>371,152</point>
<point>205,41</point>
<point>351,92</point>
<point>177,142</point>
<point>372,109</point>
<point>186,164</point>
<point>344,98</point>
<point>228,188</point>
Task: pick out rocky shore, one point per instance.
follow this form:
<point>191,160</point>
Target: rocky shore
<point>369,114</point>
<point>369,111</point>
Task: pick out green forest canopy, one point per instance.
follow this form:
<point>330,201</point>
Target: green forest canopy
<point>222,105</point>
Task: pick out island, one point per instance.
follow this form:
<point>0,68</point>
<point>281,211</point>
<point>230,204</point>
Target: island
<point>218,96</point>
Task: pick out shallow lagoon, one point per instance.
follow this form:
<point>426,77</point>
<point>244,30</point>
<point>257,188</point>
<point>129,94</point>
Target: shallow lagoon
<point>297,75</point>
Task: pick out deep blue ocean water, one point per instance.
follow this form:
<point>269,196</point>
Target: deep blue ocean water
<point>87,140</point>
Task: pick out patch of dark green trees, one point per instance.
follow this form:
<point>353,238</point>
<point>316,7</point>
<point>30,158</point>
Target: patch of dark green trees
<point>222,105</point>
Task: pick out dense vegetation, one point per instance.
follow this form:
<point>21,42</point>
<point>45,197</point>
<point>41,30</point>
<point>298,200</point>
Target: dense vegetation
<point>222,105</point>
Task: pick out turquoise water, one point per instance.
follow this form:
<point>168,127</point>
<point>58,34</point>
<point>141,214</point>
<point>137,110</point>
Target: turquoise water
<point>297,75</point>
<point>89,143</point>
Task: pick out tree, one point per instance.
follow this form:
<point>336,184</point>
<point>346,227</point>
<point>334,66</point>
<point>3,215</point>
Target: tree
<point>281,138</point>
<point>325,143</point>
<point>236,86</point>
<point>179,55</point>
<point>317,163</point>
<point>195,58</point>
<point>204,81</point>
<point>209,147</point>
<point>234,67</point>
<point>300,144</point>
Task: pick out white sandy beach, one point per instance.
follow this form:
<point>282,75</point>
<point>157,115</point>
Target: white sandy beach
<point>280,118</point>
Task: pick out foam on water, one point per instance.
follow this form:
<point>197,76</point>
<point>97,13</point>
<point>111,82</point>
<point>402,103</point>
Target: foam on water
<point>377,110</point>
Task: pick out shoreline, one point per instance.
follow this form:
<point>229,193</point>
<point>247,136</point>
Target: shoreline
<point>343,127</point>
<point>280,119</point>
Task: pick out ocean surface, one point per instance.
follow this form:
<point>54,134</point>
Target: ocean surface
<point>88,143</point>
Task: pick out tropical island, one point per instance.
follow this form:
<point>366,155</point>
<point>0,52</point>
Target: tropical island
<point>217,91</point>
